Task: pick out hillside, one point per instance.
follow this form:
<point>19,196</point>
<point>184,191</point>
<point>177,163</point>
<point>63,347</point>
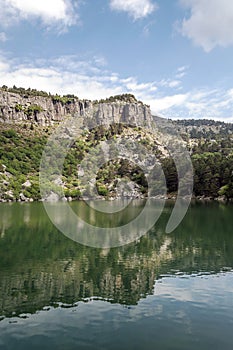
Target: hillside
<point>204,128</point>
<point>28,117</point>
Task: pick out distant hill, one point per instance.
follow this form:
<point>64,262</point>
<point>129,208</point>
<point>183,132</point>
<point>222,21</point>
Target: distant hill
<point>204,128</point>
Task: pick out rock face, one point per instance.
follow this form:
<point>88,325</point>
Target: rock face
<point>45,111</point>
<point>17,108</point>
<point>116,112</point>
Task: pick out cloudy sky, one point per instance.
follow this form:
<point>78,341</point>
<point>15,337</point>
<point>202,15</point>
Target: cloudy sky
<point>176,55</point>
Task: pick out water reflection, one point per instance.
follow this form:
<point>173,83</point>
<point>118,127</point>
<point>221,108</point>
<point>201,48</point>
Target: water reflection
<point>40,267</point>
<point>105,230</point>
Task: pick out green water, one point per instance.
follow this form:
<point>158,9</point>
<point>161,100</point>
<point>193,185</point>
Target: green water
<point>165,291</point>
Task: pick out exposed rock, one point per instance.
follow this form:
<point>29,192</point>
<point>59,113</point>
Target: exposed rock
<point>128,189</point>
<point>16,108</point>
<point>58,181</point>
<point>2,168</point>
<point>27,184</point>
<point>10,194</point>
<point>53,197</point>
<point>8,174</point>
<point>221,199</point>
<point>45,111</point>
<point>23,197</point>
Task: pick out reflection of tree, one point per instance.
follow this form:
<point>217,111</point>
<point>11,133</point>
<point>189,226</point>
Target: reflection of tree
<point>40,266</point>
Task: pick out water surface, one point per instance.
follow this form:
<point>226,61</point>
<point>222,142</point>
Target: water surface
<point>165,291</point>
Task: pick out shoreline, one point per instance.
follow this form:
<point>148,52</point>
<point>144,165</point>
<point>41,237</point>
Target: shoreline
<point>84,199</point>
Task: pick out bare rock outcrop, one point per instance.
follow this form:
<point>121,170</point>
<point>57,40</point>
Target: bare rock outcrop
<point>49,110</point>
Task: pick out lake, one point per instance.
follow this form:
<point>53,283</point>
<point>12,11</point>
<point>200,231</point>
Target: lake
<point>163,291</point>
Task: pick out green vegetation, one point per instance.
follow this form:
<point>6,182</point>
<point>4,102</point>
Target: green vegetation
<point>21,148</point>
<point>18,107</point>
<point>25,92</point>
<point>122,98</point>
<point>204,128</point>
<point>20,153</point>
<point>65,99</point>
<point>33,109</point>
<point>30,110</point>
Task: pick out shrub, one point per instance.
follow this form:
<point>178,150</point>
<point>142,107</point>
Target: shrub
<point>73,193</point>
<point>102,190</point>
<point>10,133</point>
<point>33,109</point>
<point>18,107</point>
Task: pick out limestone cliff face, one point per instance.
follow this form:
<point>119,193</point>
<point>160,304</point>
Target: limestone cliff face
<point>45,111</point>
<point>16,108</point>
<point>116,112</point>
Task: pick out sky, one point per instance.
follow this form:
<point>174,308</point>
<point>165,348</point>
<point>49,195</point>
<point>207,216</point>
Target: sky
<point>175,55</point>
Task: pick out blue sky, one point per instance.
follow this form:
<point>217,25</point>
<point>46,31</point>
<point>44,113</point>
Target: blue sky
<point>176,55</point>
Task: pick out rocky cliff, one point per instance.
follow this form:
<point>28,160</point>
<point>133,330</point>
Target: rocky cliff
<point>50,109</point>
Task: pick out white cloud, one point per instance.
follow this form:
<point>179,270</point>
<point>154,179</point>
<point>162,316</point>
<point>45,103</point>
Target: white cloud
<point>230,93</point>
<point>181,72</point>
<point>3,37</point>
<point>203,103</point>
<point>147,28</point>
<point>63,75</point>
<point>4,66</point>
<point>49,12</point>
<point>170,83</point>
<point>87,78</point>
<point>135,8</point>
<point>164,104</point>
<point>209,24</point>
<point>132,85</point>
<point>182,69</point>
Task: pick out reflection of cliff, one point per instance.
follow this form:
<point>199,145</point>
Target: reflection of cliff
<point>40,266</point>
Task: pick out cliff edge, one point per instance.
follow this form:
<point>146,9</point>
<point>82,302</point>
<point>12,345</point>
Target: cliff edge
<point>23,106</point>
